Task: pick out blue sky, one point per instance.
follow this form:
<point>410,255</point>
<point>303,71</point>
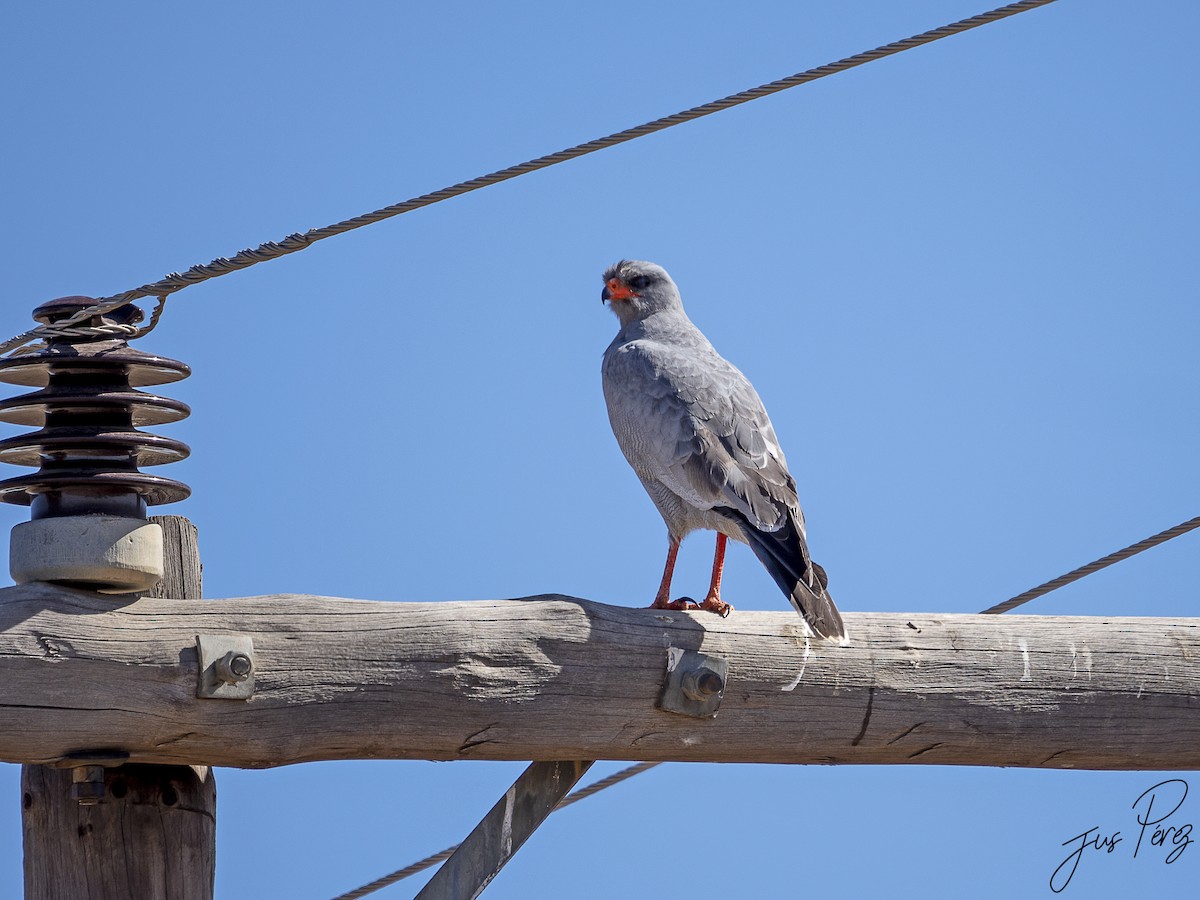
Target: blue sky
<point>962,279</point>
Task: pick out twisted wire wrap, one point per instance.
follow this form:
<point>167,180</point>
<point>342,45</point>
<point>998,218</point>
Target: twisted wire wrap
<point>65,328</point>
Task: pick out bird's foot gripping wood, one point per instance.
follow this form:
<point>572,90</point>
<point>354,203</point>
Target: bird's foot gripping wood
<point>682,603</point>
<point>715,604</point>
<point>710,604</point>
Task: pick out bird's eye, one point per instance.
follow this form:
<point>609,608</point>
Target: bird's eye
<point>638,282</point>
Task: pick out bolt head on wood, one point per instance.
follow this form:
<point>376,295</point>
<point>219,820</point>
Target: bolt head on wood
<point>695,683</point>
<point>234,667</point>
<point>702,683</point>
<point>109,554</point>
<point>87,785</point>
<point>226,670</point>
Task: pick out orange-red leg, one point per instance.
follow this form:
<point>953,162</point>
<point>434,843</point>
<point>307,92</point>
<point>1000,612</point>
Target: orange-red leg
<point>662,600</point>
<point>712,601</point>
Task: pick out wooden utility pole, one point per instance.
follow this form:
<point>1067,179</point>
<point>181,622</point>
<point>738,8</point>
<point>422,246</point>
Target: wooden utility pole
<point>142,831</point>
<point>560,678</point>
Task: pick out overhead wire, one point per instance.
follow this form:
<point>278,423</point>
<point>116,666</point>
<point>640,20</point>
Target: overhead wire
<point>1095,566</point>
<point>433,859</point>
<point>296,242</point>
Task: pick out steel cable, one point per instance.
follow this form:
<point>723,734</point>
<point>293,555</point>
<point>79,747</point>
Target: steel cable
<point>295,242</point>
<point>422,864</point>
<point>1095,566</point>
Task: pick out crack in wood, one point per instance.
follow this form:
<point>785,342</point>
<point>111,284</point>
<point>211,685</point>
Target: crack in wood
<point>866,718</point>
<point>648,734</point>
<point>471,741</point>
<point>470,745</point>
<point>924,751</point>
<point>905,733</point>
<point>167,742</point>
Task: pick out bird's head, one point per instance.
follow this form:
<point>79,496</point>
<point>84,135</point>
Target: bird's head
<point>634,289</point>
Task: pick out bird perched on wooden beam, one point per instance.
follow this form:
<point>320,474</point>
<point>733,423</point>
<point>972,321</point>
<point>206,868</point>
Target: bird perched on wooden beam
<point>697,435</point>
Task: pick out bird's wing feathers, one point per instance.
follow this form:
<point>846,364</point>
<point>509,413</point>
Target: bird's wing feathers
<point>693,422</point>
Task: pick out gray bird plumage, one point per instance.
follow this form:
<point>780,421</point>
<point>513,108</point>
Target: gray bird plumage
<point>695,431</point>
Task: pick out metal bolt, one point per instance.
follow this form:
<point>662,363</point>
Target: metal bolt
<point>87,784</point>
<point>233,667</point>
<point>702,683</point>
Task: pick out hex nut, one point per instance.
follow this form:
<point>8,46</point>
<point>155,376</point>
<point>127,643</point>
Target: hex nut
<point>702,683</point>
<point>87,784</point>
<point>234,667</point>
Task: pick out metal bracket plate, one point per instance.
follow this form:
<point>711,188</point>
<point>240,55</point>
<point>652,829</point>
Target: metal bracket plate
<point>695,683</point>
<point>226,666</point>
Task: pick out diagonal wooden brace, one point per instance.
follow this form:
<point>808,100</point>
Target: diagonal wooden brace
<point>524,806</point>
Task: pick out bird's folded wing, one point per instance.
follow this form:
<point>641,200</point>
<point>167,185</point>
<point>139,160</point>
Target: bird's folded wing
<point>697,425</point>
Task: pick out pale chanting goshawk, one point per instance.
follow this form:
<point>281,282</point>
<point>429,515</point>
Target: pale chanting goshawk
<point>697,435</point>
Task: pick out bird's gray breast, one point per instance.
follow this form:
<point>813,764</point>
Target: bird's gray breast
<point>657,406</point>
<point>695,431</point>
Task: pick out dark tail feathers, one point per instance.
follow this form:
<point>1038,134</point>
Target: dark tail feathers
<point>785,556</point>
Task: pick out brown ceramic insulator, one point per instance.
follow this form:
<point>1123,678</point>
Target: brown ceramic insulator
<point>89,413</point>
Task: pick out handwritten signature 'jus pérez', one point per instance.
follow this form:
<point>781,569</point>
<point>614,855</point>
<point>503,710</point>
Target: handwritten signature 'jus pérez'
<point>1174,838</point>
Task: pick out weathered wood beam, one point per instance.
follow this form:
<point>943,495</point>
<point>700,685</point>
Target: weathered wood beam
<point>558,678</point>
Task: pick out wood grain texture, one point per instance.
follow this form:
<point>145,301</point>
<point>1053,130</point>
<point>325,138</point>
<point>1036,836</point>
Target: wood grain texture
<point>181,559</point>
<point>154,833</point>
<point>559,678</point>
<point>153,837</point>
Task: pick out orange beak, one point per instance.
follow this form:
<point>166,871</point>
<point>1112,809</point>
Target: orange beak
<point>618,290</point>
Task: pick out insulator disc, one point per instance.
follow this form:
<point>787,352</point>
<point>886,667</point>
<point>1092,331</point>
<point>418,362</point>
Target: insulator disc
<point>146,409</point>
<point>143,368</point>
<point>92,444</point>
<point>154,489</point>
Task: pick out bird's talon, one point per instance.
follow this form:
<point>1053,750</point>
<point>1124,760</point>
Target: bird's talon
<point>715,605</point>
